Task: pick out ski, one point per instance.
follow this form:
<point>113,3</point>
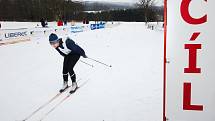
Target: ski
<point>65,98</point>
<point>44,105</point>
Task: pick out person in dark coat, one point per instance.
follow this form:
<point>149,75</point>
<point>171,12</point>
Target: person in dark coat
<point>71,53</point>
<point>43,23</point>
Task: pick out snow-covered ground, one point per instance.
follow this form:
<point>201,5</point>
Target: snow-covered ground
<point>131,90</point>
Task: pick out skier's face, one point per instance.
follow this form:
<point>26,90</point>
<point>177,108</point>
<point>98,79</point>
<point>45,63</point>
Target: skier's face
<point>55,45</point>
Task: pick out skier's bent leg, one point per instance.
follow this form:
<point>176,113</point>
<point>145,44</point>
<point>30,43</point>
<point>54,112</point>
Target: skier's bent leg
<point>73,76</point>
<point>65,83</point>
<point>65,77</point>
<point>65,69</point>
<point>73,61</point>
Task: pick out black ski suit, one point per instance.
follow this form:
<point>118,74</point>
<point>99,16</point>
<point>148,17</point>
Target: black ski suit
<point>71,53</point>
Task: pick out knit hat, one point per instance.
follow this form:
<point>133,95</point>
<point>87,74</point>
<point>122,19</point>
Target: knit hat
<point>53,38</point>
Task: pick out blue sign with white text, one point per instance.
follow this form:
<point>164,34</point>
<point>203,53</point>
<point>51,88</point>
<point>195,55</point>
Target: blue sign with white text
<point>75,29</point>
<point>97,26</point>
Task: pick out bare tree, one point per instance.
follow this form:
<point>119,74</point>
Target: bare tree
<point>146,5</point>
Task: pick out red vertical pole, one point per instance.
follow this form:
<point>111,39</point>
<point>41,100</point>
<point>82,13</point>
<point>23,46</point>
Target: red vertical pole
<point>164,61</point>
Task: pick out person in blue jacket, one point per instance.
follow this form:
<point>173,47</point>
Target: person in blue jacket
<point>71,53</point>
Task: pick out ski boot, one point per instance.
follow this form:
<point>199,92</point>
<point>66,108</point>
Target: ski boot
<point>73,87</point>
<point>65,86</point>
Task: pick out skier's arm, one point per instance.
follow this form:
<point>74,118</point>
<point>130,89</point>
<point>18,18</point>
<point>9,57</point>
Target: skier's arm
<point>75,48</point>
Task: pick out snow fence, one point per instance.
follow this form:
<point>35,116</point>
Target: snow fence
<point>11,36</point>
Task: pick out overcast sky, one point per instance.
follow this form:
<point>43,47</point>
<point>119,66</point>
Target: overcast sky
<point>158,2</point>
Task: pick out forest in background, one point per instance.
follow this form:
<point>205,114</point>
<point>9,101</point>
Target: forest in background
<point>53,10</point>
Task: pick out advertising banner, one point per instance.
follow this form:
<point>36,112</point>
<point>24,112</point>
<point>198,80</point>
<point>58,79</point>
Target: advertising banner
<point>75,29</point>
<point>190,61</point>
<point>97,26</point>
<point>10,36</point>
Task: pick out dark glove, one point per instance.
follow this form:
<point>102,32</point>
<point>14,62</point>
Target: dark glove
<point>84,56</point>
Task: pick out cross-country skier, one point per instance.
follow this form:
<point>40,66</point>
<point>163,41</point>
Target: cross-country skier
<point>71,53</point>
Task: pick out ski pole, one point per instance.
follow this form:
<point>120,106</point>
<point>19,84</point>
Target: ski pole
<point>99,62</point>
<point>87,63</point>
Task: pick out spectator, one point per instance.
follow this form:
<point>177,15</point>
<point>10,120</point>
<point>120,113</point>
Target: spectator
<point>43,23</point>
<point>65,22</point>
<point>60,23</point>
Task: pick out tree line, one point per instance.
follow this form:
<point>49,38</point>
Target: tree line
<point>129,15</point>
<point>145,11</point>
<point>52,10</point>
<point>34,10</point>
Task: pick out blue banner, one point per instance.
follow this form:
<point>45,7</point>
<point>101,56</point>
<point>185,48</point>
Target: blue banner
<point>75,29</point>
<point>97,26</point>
